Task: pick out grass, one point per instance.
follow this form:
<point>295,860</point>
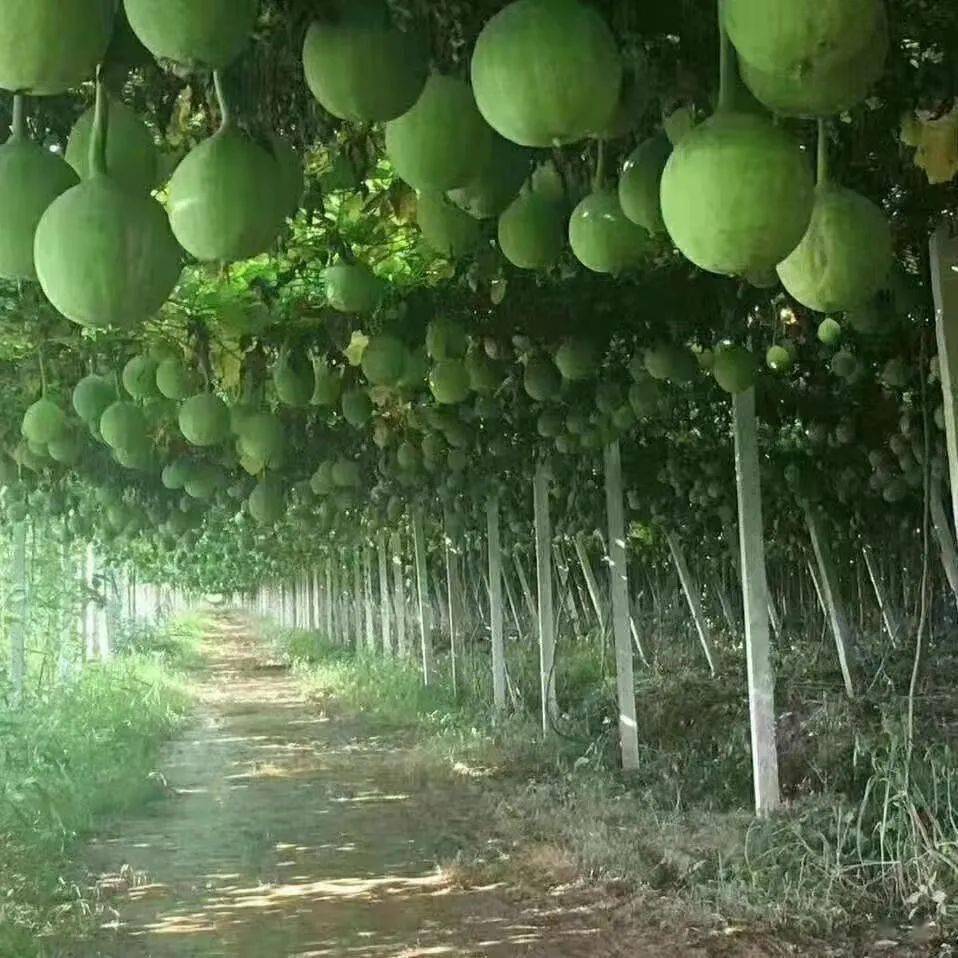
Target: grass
<point>870,832</point>
<point>72,755</point>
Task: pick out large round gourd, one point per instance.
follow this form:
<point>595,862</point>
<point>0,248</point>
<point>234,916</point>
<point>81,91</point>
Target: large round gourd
<point>91,397</point>
<point>43,422</point>
<point>105,256</point>
<point>384,360</point>
<point>31,178</point>
<point>49,46</point>
<point>498,184</point>
<point>737,194</point>
<point>446,228</point>
<point>198,33</point>
<point>603,239</point>
<point>266,503</point>
<point>123,426</point>
<point>794,37</point>
<point>532,231</point>
<point>547,72</point>
<point>360,67</point>
<point>826,90</point>
<point>204,420</point>
<point>641,180</point>
<point>353,288</point>
<point>846,255</point>
<point>442,143</point>
<point>224,198</point>
<point>131,155</point>
<point>449,382</point>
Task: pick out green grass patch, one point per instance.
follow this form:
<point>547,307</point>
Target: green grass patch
<point>70,756</point>
<point>869,832</point>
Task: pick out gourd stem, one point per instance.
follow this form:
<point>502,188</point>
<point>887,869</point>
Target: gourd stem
<point>43,372</point>
<point>18,128</point>
<point>599,181</point>
<point>101,122</point>
<point>822,152</point>
<point>226,114</point>
<point>728,80</point>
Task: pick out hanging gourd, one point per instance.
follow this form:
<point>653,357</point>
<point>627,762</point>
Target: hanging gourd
<point>532,231</point>
<point>846,254</point>
<point>204,420</point>
<point>49,46</point>
<point>105,256</point>
<point>292,176</point>
<point>641,181</point>
<point>442,142</point>
<point>446,228</point>
<point>31,178</point>
<point>131,155</point>
<point>225,204</point>
<point>737,193</point>
<point>353,288</point>
<point>603,239</point>
<point>362,68</point>
<point>207,34</point>
<point>498,184</point>
<point>808,59</point>
<point>547,72</point>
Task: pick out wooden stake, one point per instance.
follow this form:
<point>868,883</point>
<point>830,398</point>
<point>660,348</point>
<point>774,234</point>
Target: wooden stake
<point>944,284</point>
<point>399,596</point>
<point>946,541</point>
<point>384,603</point>
<point>454,592</point>
<point>829,592</point>
<point>621,613</point>
<point>546,613</point>
<point>761,683</point>
<point>889,617</point>
<point>422,588</point>
<point>693,598</point>
<point>591,585</point>
<point>495,604</point>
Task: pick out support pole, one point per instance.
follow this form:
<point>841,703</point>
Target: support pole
<point>830,594</point>
<point>946,541</point>
<point>358,624</point>
<point>368,598</point>
<point>422,590</point>
<point>944,285</point>
<point>546,613</point>
<point>399,596</point>
<point>888,614</point>
<point>692,597</point>
<point>384,603</point>
<point>494,548</point>
<point>621,613</point>
<point>454,593</point>
<point>761,682</point>
<point>328,599</point>
<point>590,582</point>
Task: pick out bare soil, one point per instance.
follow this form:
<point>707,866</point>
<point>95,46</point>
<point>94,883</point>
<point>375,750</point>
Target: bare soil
<point>287,831</point>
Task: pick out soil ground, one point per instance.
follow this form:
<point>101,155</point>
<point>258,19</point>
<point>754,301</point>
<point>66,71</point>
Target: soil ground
<point>287,831</point>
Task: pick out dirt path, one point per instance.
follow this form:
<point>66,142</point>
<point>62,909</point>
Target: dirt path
<point>288,833</point>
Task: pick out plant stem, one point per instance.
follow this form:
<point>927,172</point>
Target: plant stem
<point>727,67</point>
<point>18,128</point>
<point>822,151</point>
<point>101,122</point>
<point>599,180</point>
<point>226,114</point>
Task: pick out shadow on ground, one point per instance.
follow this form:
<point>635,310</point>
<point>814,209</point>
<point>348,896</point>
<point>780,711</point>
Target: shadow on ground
<point>285,832</point>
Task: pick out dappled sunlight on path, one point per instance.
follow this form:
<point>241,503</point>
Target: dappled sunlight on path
<point>285,832</point>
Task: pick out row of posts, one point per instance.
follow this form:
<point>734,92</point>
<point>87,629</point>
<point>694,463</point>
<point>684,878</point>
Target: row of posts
<point>303,604</point>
